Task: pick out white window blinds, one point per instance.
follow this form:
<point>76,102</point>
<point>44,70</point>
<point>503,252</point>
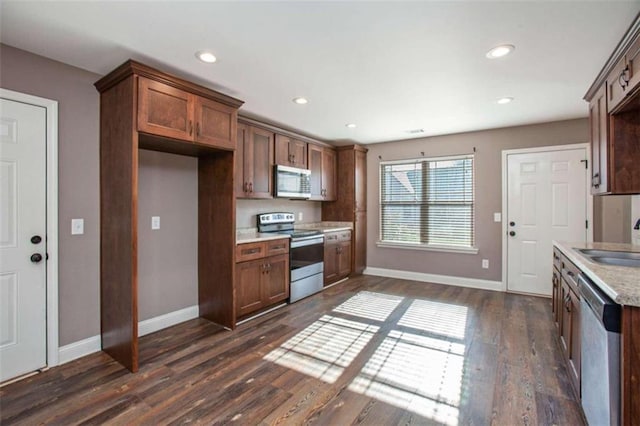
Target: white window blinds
<point>427,201</point>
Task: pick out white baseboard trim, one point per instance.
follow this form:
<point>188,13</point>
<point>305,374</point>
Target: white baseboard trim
<point>167,320</point>
<point>437,279</point>
<point>79,349</point>
<point>93,344</point>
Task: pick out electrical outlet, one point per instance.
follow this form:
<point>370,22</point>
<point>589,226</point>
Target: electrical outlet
<point>77,226</point>
<point>155,222</point>
<point>300,216</point>
<point>485,263</point>
<point>497,217</point>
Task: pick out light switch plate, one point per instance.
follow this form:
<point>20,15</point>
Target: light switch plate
<point>485,263</point>
<point>155,222</point>
<point>300,216</point>
<point>77,226</point>
<point>497,217</point>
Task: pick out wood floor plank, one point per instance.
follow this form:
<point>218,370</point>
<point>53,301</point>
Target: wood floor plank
<point>368,351</point>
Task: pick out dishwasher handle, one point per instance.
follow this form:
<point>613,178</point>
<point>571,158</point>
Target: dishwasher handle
<point>605,309</point>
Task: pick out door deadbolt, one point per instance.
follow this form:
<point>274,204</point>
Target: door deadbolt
<point>36,239</point>
<point>512,223</point>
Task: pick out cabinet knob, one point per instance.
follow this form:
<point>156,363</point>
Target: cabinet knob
<point>623,79</point>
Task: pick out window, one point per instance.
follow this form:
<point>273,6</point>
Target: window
<point>427,202</point>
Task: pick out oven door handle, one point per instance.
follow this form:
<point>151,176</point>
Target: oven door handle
<point>307,241</point>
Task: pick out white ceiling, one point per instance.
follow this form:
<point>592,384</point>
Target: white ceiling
<point>386,66</point>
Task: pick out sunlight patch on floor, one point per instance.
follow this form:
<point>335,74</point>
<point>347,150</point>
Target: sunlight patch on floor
<point>436,317</point>
<point>417,373</point>
<point>325,348</point>
<point>370,305</point>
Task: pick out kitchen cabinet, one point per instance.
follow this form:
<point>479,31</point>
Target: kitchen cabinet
<point>614,119</point>
<point>351,202</point>
<point>322,163</point>
<point>141,107</point>
<point>254,162</point>
<point>167,111</point>
<point>566,314</point>
<point>290,152</point>
<point>262,275</point>
<point>337,256</point>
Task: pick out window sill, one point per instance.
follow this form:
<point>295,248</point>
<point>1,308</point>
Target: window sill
<point>428,247</point>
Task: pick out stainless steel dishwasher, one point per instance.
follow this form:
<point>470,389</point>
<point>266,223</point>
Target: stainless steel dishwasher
<point>600,351</point>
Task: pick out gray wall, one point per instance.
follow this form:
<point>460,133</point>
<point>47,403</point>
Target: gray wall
<point>612,217</point>
<point>488,179</point>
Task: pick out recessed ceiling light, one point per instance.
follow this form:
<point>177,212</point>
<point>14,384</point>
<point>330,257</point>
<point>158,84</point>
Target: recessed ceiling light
<point>506,100</point>
<point>351,125</point>
<point>206,56</point>
<point>300,100</point>
<point>500,51</point>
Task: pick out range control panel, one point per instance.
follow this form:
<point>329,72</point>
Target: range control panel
<point>271,218</point>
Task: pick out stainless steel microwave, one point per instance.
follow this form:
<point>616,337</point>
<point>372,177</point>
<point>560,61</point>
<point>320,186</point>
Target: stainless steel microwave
<point>291,182</point>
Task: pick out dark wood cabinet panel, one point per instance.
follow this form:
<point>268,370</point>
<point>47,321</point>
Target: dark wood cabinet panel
<point>315,166</point>
<point>360,242</point>
<point>276,281</point>
<point>344,259</point>
<point>329,175</point>
<point>599,134</point>
<point>215,124</point>
<point>575,348</point>
<point>290,152</point>
<point>262,275</point>
<point>141,107</point>
<point>337,256</point>
<point>164,110</point>
<point>254,162</point>
<point>360,177</point>
<point>248,286</point>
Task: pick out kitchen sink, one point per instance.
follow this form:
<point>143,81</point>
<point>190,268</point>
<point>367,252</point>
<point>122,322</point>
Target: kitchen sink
<point>610,257</point>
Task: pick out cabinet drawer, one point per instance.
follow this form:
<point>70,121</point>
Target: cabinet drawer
<point>250,251</point>
<point>331,237</point>
<point>344,236</point>
<point>277,247</point>
<point>557,262</point>
<point>570,273</point>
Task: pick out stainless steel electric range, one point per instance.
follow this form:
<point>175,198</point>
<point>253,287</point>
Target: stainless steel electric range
<point>306,262</point>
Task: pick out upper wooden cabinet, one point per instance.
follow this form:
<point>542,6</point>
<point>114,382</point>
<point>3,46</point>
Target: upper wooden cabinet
<point>290,152</point>
<point>614,119</point>
<point>167,111</point>
<point>254,162</point>
<point>624,79</point>
<point>322,163</point>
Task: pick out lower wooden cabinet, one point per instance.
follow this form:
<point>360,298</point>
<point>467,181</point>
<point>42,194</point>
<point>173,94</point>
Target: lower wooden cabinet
<point>263,281</point>
<point>337,256</point>
<point>566,314</point>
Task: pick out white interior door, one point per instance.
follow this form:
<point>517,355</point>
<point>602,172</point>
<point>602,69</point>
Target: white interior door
<point>546,201</point>
<point>22,223</point>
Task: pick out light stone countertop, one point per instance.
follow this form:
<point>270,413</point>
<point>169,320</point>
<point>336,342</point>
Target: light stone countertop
<point>251,235</point>
<point>325,227</point>
<point>621,283</point>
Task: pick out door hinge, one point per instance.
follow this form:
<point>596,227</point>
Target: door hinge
<point>586,163</point>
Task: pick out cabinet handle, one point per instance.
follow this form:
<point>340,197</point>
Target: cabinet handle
<point>623,80</point>
<point>198,129</point>
<point>570,273</point>
<point>251,251</point>
<point>278,247</point>
<point>245,187</point>
<point>251,187</point>
<point>190,127</point>
<point>595,181</point>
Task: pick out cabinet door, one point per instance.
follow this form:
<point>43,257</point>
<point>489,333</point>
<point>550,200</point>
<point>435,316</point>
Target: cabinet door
<point>240,184</point>
<point>215,124</point>
<point>298,151</point>
<point>164,110</point>
<point>315,165</point>
<point>282,154</point>
<point>360,192</point>
<point>556,297</point>
<point>260,163</point>
<point>276,279</point>
<point>565,329</point>
<point>574,348</point>
<point>616,86</point>
<point>360,242</point>
<point>344,259</point>
<point>599,134</point>
<point>329,173</point>
<point>633,61</point>
<point>330,258</point>
<point>248,286</point>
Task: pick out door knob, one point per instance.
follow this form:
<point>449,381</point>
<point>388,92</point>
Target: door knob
<point>512,223</point>
<point>36,239</point>
<point>36,258</point>
<point>512,233</point>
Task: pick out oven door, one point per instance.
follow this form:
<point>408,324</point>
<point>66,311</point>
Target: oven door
<point>307,257</point>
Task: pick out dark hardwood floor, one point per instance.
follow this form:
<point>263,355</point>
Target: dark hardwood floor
<point>369,351</point>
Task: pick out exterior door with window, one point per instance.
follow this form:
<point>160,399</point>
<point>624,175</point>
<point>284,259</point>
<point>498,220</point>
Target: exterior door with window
<point>546,201</point>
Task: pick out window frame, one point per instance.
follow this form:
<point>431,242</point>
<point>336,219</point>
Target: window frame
<point>426,246</point>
